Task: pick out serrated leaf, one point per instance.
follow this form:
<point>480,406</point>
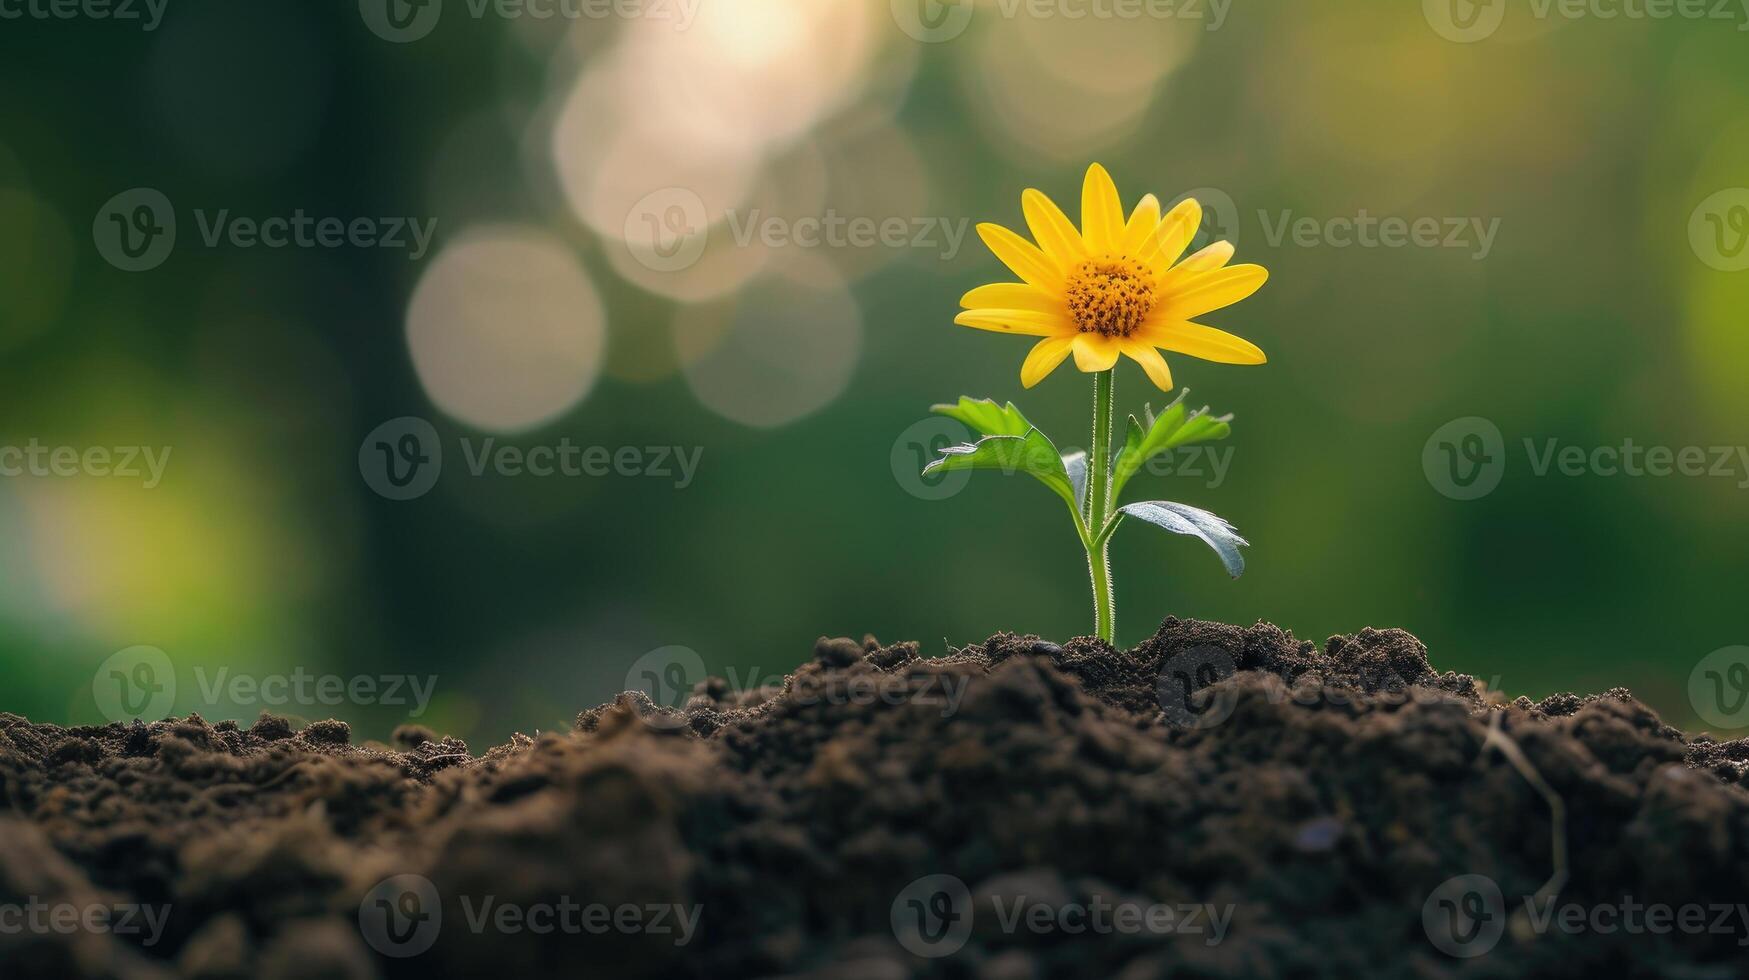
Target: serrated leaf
<point>1032,453</point>
<point>1075,464</point>
<point>985,417</point>
<point>1173,428</point>
<point>1184,519</point>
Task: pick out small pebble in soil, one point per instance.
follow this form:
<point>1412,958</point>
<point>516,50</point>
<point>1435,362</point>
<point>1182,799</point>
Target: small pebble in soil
<point>1319,835</point>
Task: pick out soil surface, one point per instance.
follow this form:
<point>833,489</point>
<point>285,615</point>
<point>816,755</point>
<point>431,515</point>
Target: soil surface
<point>1217,802</point>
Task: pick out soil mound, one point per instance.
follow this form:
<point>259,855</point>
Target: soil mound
<point>1217,802</point>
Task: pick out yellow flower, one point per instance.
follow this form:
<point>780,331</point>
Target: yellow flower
<point>1114,287</point>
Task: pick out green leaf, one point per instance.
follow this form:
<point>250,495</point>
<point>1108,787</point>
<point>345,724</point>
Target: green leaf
<point>986,417</point>
<point>1032,453</point>
<point>1175,427</point>
<point>1075,464</point>
<point>1184,519</point>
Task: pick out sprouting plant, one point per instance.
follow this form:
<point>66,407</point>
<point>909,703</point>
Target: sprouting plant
<point>1112,287</point>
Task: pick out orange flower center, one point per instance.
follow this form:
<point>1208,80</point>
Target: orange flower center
<point>1110,295</point>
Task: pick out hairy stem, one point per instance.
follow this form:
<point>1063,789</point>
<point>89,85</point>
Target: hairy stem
<point>1099,507</point>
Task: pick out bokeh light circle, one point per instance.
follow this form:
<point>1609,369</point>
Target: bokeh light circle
<point>785,347</point>
<point>506,330</point>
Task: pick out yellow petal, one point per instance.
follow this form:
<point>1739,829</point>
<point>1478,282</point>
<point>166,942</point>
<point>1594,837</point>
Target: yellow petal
<point>1052,228</point>
<point>1174,234</point>
<point>1213,290</point>
<point>1144,221</point>
<point>1144,354</point>
<point>1045,357</point>
<point>1030,323</point>
<point>1101,211</point>
<point>1012,296</point>
<point>1214,257</point>
<point>1095,352</point>
<point>1022,256</point>
<point>1207,343</point>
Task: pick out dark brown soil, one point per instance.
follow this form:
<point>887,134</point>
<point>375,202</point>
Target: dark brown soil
<point>1315,802</point>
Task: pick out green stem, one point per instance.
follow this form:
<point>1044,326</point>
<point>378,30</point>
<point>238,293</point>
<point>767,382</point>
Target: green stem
<point>1099,507</point>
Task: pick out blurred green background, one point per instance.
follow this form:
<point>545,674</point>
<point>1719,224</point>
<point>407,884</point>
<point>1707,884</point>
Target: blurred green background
<point>568,161</point>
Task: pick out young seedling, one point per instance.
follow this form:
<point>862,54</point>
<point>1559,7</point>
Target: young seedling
<point>1111,287</point>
